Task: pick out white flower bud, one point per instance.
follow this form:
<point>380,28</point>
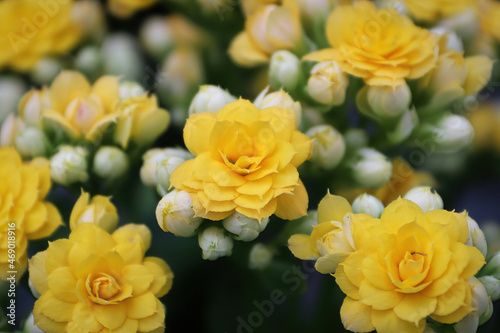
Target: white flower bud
<point>11,90</point>
<point>31,142</point>
<point>492,286</point>
<point>69,165</point>
<point>129,89</point>
<point>210,99</point>
<point>244,228</point>
<point>476,236</point>
<point>480,303</point>
<point>315,9</point>
<point>156,36</point>
<point>453,42</point>
<point>367,204</point>
<point>425,198</point>
<point>8,132</point>
<point>404,128</point>
<point>450,134</point>
<point>215,243</point>
<point>388,101</point>
<point>166,167</point>
<point>110,163</point>
<point>149,165</point>
<point>327,84</point>
<point>89,61</point>
<point>329,146</point>
<point>90,16</point>
<point>279,99</point>
<point>260,257</point>
<point>355,138</point>
<point>284,70</point>
<point>371,169</point>
<point>121,57</point>
<point>46,70</point>
<point>465,24</point>
<point>175,214</point>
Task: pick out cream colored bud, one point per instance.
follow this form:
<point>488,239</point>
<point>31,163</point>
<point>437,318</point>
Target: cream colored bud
<point>99,211</point>
<point>89,61</point>
<point>166,167</point>
<point>355,138</point>
<point>8,132</point>
<point>110,163</point>
<point>156,36</point>
<point>260,257</point>
<point>388,101</point>
<point>279,99</point>
<point>210,99</point>
<point>371,168</point>
<point>404,127</point>
<point>215,243</point>
<point>480,303</point>
<point>149,165</point>
<point>316,9</point>
<point>327,84</point>
<point>367,204</point>
<point>31,142</point>
<point>121,57</point>
<point>129,89</point>
<point>453,42</point>
<point>476,236</point>
<point>89,14</point>
<point>425,198</point>
<point>69,165</point>
<point>450,134</point>
<point>175,214</point>
<point>492,286</point>
<point>284,70</point>
<point>46,70</point>
<point>244,228</point>
<point>329,146</point>
<point>31,106</point>
<point>11,90</point>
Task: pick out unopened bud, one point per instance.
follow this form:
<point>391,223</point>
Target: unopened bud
<point>368,204</point>
<point>8,132</point>
<point>284,70</point>
<point>69,165</point>
<point>260,257</point>
<point>388,101</point>
<point>327,84</point>
<point>476,236</point>
<point>355,138</point>
<point>31,142</point>
<point>492,286</point>
<point>279,99</point>
<point>210,99</point>
<point>121,56</point>
<point>156,36</point>
<point>215,243</point>
<point>244,228</point>
<point>46,70</point>
<point>110,163</point>
<point>480,302</point>
<point>453,42</point>
<point>150,162</point>
<point>404,128</point>
<point>129,89</point>
<point>89,61</point>
<point>175,214</point>
<point>492,268</point>
<point>99,211</point>
<point>11,90</point>
<point>425,198</point>
<point>371,168</point>
<point>329,146</point>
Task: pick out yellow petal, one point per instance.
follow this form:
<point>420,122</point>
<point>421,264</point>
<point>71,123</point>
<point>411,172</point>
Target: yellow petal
<point>328,264</point>
<point>300,246</point>
<point>479,69</point>
<point>452,300</point>
<point>333,208</point>
<point>378,299</point>
<point>54,308</point>
<point>62,283</point>
<point>139,277</point>
<point>65,87</point>
<point>84,319</point>
<point>356,316</point>
<point>245,53</point>
<point>106,88</point>
<point>98,130</point>
<point>387,322</point>
<point>303,146</point>
<point>415,307</point>
<point>149,126</point>
<point>129,325</point>
<point>322,55</point>
<point>163,276</point>
<point>111,316</point>
<point>292,206</point>
<point>142,306</point>
<point>345,284</point>
<point>197,132</point>
<point>38,273</point>
<point>60,122</point>
<point>123,129</point>
<point>46,324</point>
<point>151,323</point>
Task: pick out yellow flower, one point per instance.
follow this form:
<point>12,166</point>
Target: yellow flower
<point>433,10</point>
<point>32,29</point>
<point>246,161</point>
<point>335,236</point>
<point>97,282</point>
<point>379,45</point>
<point>126,8</point>
<point>413,266</point>
<point>140,120</point>
<point>80,110</point>
<point>488,14</point>
<point>23,187</point>
<point>486,123</point>
<point>99,211</point>
<point>269,29</point>
<point>250,6</point>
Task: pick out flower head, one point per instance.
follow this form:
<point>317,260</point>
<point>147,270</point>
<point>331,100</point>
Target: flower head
<point>95,281</point>
<point>433,10</point>
<point>99,211</point>
<point>246,161</point>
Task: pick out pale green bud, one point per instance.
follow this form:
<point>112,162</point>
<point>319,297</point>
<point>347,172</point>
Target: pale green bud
<point>215,243</point>
<point>492,267</point>
<point>260,257</point>
<point>388,101</point>
<point>487,315</point>
<point>110,163</point>
<point>10,127</point>
<point>89,61</point>
<point>284,70</point>
<point>371,168</point>
<point>69,165</point>
<point>90,17</point>
<point>11,91</point>
<point>121,57</point>
<point>149,165</point>
<point>450,134</point>
<point>404,127</point>
<point>31,142</point>
<point>425,198</point>
<point>327,84</point>
<point>329,146</point>
<point>156,36</point>
<point>367,204</point>
<point>165,168</point>
<point>476,236</point>
<point>46,70</point>
<point>129,89</point>
<point>355,138</point>
<point>492,286</point>
<point>465,24</point>
<point>244,228</point>
<point>480,303</point>
<point>175,214</point>
<point>210,99</point>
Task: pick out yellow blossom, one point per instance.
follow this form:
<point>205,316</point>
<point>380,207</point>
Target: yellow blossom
<point>97,282</point>
<point>250,6</point>
<point>246,161</point>
<point>32,29</point>
<point>99,211</point>
<point>433,10</point>
<point>379,45</point>
<point>335,236</point>
<point>23,187</point>
<point>126,8</point>
<point>486,122</point>
<point>413,266</point>
<point>489,11</point>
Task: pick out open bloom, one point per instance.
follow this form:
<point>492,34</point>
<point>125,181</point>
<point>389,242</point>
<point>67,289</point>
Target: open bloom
<point>23,187</point>
<point>32,29</point>
<point>413,266</point>
<point>97,282</point>
<point>379,45</point>
<point>246,161</point>
<point>99,211</point>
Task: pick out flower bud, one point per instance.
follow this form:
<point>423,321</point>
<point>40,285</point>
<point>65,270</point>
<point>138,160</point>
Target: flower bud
<point>492,286</point>
<point>11,90</point>
<point>404,127</point>
<point>31,105</point>
<point>99,211</point>
<point>89,61</point>
<point>388,101</point>
<point>371,168</point>
<point>90,16</point>
<point>31,142</point>
<point>29,324</point>
<point>69,165</point>
<point>284,70</point>
<point>45,70</point>
<point>279,99</point>
<point>476,236</point>
<point>110,163</point>
<point>368,204</point>
<point>316,9</point>
<point>491,230</point>
<point>480,303</point>
<point>215,243</point>
<point>121,57</point>
<point>449,134</point>
<point>425,198</point>
<point>244,228</point>
<point>156,36</point>
<point>478,69</point>
<point>175,214</point>
<point>329,146</point>
<point>453,42</point>
<point>8,132</point>
<point>355,138</point>
<point>260,257</point>
<point>492,268</point>
<point>327,84</point>
<point>210,99</point>
<point>164,170</point>
<point>129,89</point>
<point>149,165</point>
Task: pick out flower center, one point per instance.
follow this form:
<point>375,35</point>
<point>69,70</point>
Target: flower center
<point>412,264</point>
<point>102,287</point>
